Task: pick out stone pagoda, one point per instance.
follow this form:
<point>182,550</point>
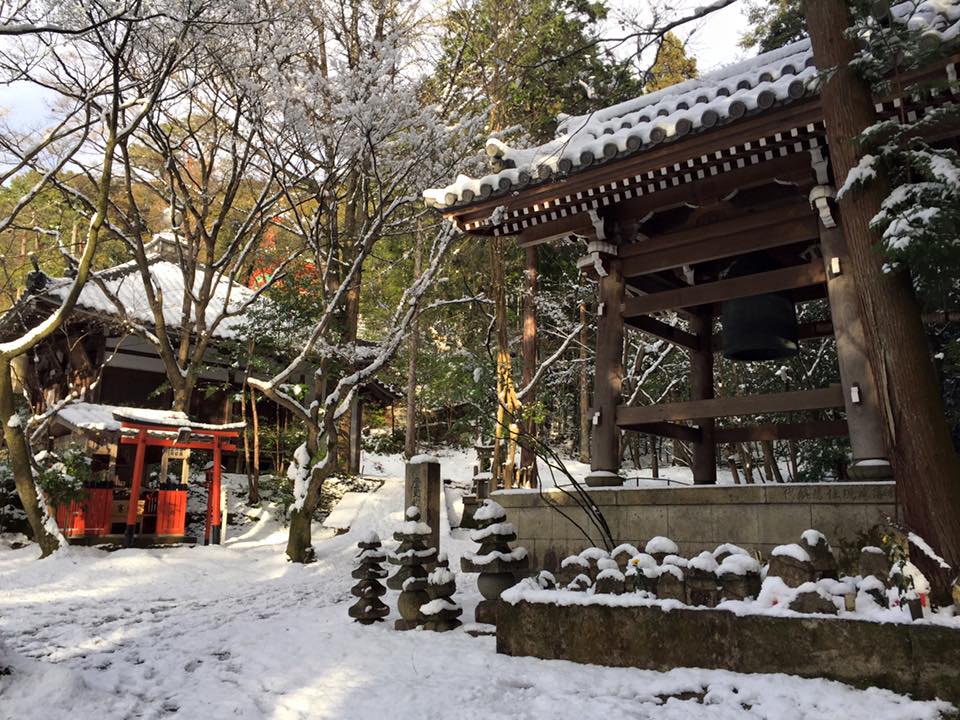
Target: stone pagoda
<point>413,554</point>
<point>369,608</point>
<point>441,613</point>
<point>499,565</point>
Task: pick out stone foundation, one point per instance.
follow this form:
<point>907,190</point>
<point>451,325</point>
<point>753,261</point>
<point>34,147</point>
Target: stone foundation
<point>756,517</point>
<point>922,660</point>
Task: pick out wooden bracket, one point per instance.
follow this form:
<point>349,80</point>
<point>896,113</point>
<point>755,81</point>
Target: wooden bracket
<point>820,198</point>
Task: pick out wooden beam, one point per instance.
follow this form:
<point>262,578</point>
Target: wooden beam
<point>796,400</point>
<point>758,231</point>
<point>578,224</point>
<point>670,430</point>
<point>675,335</point>
<point>783,431</point>
<point>788,278</point>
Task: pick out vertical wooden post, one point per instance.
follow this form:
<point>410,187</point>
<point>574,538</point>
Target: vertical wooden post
<point>135,483</point>
<point>584,389</point>
<point>856,374</point>
<point>704,456</point>
<point>605,439</point>
<point>528,459</point>
<point>215,494</point>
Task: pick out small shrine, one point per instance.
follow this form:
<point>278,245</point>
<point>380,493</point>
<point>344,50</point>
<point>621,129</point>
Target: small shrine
<point>133,498</point>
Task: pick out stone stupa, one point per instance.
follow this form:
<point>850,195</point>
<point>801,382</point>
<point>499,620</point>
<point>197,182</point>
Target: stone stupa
<point>369,608</point>
<point>413,554</point>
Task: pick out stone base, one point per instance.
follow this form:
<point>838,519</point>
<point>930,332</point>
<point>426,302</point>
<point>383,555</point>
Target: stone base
<point>406,624</point>
<point>487,612</point>
<point>368,621</point>
<point>442,625</point>
<point>603,478</point>
<point>470,505</point>
<point>477,630</point>
<point>758,518</point>
<point>867,473</point>
<point>915,658</point>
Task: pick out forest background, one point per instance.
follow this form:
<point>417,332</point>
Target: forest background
<point>498,67</point>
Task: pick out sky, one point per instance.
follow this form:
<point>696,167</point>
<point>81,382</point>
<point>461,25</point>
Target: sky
<point>713,41</point>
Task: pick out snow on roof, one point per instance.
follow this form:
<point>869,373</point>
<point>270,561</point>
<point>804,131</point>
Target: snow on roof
<point>89,416</point>
<point>109,418</point>
<point>775,78</point>
<point>126,283</point>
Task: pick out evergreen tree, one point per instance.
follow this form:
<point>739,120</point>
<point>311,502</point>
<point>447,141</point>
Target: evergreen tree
<point>527,60</point>
<point>672,65</point>
<point>878,194</point>
<point>773,24</point>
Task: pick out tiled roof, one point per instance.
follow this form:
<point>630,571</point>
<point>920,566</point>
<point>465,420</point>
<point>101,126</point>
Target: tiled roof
<point>629,128</point>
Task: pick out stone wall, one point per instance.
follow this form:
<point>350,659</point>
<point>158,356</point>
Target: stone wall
<point>920,659</point>
<point>756,517</point>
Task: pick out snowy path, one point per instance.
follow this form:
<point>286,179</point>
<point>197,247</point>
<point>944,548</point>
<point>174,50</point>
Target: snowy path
<point>237,632</point>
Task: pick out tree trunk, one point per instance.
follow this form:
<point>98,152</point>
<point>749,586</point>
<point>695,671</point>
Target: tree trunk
<point>19,453</point>
<point>508,406</point>
<point>253,475</point>
<point>770,462</point>
<point>924,461</point>
<point>747,462</point>
<point>528,459</point>
<point>584,389</point>
<point>732,464</point>
<point>410,437</point>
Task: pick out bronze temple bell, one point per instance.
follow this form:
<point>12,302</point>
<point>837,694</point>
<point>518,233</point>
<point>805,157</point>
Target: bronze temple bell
<point>759,327</point>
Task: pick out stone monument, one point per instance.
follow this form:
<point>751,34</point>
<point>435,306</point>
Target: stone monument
<point>423,490</point>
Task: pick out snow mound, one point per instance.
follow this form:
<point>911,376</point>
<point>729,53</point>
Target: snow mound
<point>793,551</point>
<point>660,544</point>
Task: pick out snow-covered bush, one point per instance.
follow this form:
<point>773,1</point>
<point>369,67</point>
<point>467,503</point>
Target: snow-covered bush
<point>63,478</point>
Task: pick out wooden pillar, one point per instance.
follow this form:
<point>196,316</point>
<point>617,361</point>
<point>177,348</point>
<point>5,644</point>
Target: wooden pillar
<point>528,458</point>
<point>584,405</point>
<point>135,483</point>
<point>605,438</point>
<point>216,519</point>
<point>856,375</point>
<point>704,455</point>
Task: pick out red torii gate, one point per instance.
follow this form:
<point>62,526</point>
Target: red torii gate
<point>193,437</point>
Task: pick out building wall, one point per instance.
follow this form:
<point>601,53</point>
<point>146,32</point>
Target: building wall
<point>756,517</point>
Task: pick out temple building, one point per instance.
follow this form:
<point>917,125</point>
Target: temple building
<point>713,201</point>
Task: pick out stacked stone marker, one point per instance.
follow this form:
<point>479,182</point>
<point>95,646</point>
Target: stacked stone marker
<point>369,608</point>
<point>497,564</point>
<point>412,555</point>
<point>441,613</point>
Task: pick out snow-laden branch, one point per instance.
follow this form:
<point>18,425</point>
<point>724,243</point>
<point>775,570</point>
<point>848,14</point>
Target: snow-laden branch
<point>545,365</point>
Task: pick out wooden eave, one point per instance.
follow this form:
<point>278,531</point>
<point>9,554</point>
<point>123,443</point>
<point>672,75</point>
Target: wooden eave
<point>766,135</point>
<point>543,211</point>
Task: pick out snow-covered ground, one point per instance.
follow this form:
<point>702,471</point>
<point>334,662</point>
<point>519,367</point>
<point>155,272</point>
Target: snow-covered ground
<point>237,632</point>
<point>457,464</point>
